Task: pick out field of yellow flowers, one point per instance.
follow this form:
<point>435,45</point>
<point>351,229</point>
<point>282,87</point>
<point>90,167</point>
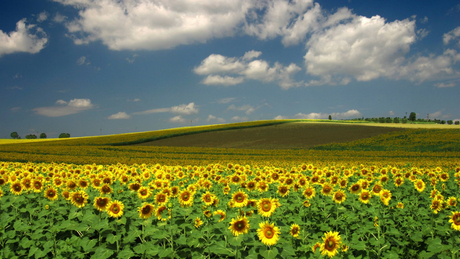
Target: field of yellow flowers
<point>391,196</point>
<point>51,210</point>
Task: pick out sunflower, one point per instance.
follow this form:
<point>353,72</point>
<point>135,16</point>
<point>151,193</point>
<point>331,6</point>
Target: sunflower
<point>160,198</point>
<point>309,192</point>
<point>419,185</point>
<point>385,196</point>
<point>96,183</point>
<point>444,177</point>
<point>295,230</point>
<point>198,222</point>
<point>207,198</point>
<point>174,191</point>
<point>79,198</point>
<point>306,203</point>
<point>105,189</point>
<point>51,194</point>
<point>268,233</point>
<point>186,198</point>
<point>355,188</point>
<point>455,220</point>
<point>376,189</point>
<point>66,195</point>
<point>251,185</point>
<point>262,186</point>
<point>283,190</point>
<point>343,183</point>
<point>452,201</point>
<point>400,205</point>
<point>100,203</point>
<point>332,242</point>
<point>16,188</point>
<point>71,185</point>
<point>339,196</point>
<point>239,199</point>
<point>365,196</point>
<point>399,181</point>
<point>37,185</point>
<point>83,183</point>
<point>27,183</point>
<point>266,207</point>
<point>239,226</point>
<point>326,190</point>
<point>134,186</point>
<point>436,206</point>
<point>221,213</point>
<point>115,209</point>
<point>146,211</point>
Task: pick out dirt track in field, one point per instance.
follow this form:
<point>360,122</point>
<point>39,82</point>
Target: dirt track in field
<point>282,136</point>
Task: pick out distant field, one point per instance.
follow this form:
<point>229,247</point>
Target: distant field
<point>18,141</point>
<point>281,136</point>
<point>407,125</point>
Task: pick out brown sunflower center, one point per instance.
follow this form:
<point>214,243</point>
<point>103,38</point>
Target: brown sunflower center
<point>269,233</point>
<point>266,206</point>
<point>115,209</point>
<point>146,210</point>
<point>239,225</point>
<point>330,245</point>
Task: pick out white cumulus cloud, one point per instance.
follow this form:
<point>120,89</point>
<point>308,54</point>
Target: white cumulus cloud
<point>248,109</point>
<point>26,38</point>
<point>154,25</point>
<point>119,116</point>
<point>245,68</point>
<point>64,108</point>
<point>452,35</point>
<point>314,116</point>
<point>214,118</point>
<point>177,119</point>
<point>183,109</point>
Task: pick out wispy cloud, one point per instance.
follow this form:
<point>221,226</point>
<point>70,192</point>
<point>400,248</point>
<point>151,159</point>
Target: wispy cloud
<point>183,109</point>
<point>119,116</point>
<point>335,115</point>
<point>64,108</point>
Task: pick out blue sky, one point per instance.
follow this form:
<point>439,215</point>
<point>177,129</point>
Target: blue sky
<point>90,67</point>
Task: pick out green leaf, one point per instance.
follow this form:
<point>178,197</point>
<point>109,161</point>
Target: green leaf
<point>435,245</point>
<point>20,226</point>
<point>26,243</point>
<point>165,252</point>
<point>126,253</point>
<point>287,251</point>
<point>90,219</point>
<point>111,238</point>
<point>140,249</point>
<point>103,224</point>
<point>270,253</point>
<point>32,251</point>
<point>181,240</point>
<point>102,253</point>
<point>360,245</point>
<point>88,244</point>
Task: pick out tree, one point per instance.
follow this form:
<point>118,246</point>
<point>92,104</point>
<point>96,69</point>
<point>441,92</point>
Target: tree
<point>388,120</point>
<point>457,122</point>
<point>14,135</point>
<point>64,135</point>
<point>43,135</point>
<point>450,122</point>
<point>330,117</point>
<point>412,116</point>
<point>31,136</point>
<point>396,120</point>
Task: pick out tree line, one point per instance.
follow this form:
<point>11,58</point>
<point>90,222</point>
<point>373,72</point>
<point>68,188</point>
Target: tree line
<point>15,135</point>
<point>412,118</point>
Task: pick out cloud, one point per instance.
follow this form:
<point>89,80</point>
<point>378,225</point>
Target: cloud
<point>365,48</point>
<point>238,118</point>
<point>42,16</point>
<point>15,109</point>
<point>226,100</point>
<point>214,118</point>
<point>131,60</point>
<point>248,109</point>
<point>183,109</point>
<point>26,38</point>
<point>424,20</point>
<point>154,25</point>
<point>435,115</point>
<point>119,116</point>
<point>442,85</point>
<point>452,35</point>
<point>245,68</point>
<point>134,100</point>
<point>15,87</point>
<point>291,20</point>
<point>336,115</point>
<point>65,108</point>
<point>391,113</point>
<point>59,18</point>
<point>219,80</point>
<point>82,60</point>
<point>177,119</point>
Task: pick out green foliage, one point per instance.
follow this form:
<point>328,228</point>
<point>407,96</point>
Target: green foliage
<point>14,135</point>
<point>64,135</point>
<point>412,116</point>
<point>43,135</point>
<point>31,136</point>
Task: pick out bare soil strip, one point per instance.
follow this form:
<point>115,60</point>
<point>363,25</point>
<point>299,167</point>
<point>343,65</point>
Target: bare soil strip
<point>282,136</point>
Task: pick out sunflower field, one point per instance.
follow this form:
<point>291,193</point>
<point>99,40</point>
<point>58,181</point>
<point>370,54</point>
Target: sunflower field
<point>311,210</point>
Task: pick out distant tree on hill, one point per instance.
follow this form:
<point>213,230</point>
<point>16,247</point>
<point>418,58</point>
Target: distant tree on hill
<point>14,135</point>
<point>43,135</point>
<point>31,136</point>
<point>64,135</point>
<point>457,122</point>
<point>412,116</point>
<point>330,117</point>
<point>396,120</point>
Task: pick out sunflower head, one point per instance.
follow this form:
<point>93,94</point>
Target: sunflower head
<point>239,226</point>
<point>266,207</point>
<point>331,244</point>
<point>51,194</point>
<point>339,196</point>
<point>100,203</point>
<point>240,199</point>
<point>115,209</point>
<point>365,196</point>
<point>198,222</point>
<point>295,230</point>
<point>146,211</point>
<point>455,220</point>
<point>221,213</point>
<point>268,233</point>
<point>79,198</point>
